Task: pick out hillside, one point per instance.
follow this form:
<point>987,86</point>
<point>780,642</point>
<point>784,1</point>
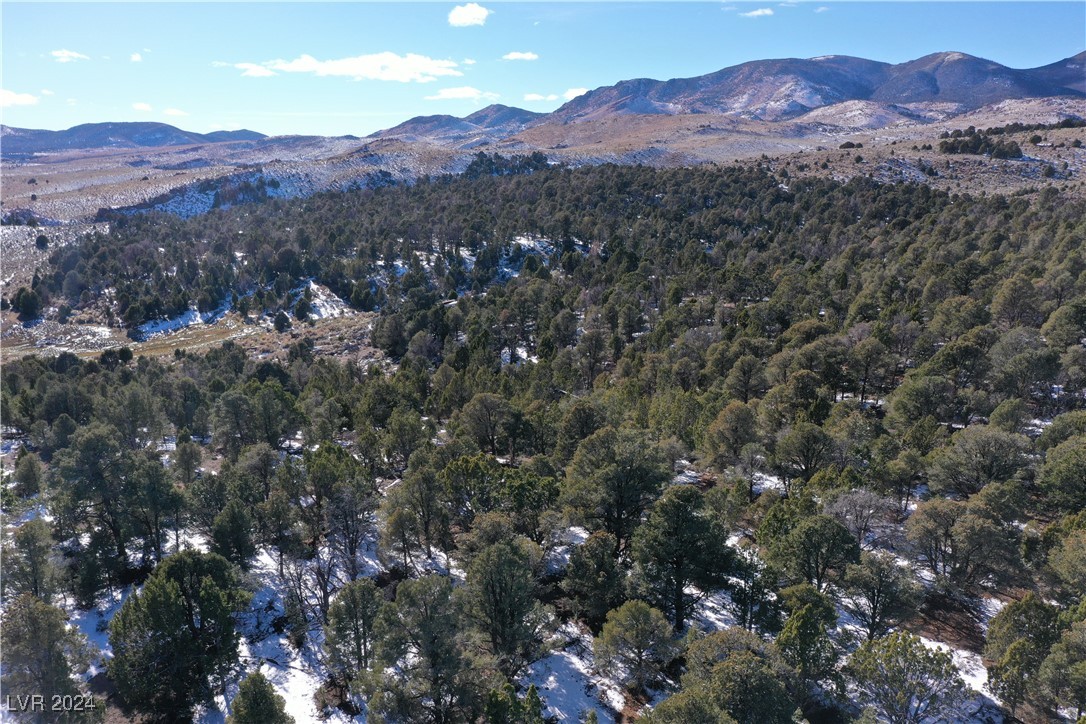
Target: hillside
<point>483,126</point>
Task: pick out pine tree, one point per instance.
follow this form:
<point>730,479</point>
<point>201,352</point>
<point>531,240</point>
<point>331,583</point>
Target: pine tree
<point>175,643</point>
<point>503,706</point>
<point>818,549</point>
<point>232,534</point>
<point>746,689</point>
<point>40,654</point>
<point>349,635</point>
<point>614,476</point>
<point>680,546</point>
<point>635,644</point>
<point>28,563</point>
<point>595,579</point>
<point>257,703</point>
<point>426,676</point>
<point>499,599</point>
<point>904,680</point>
<point>28,477</point>
<point>882,592</point>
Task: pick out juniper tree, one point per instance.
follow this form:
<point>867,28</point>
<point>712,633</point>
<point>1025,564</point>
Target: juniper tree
<point>175,643</point>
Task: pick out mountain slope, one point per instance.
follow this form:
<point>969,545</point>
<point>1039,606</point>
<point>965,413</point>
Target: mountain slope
<point>963,79</point>
<point>487,124</point>
<point>497,116</point>
<point>1069,73</point>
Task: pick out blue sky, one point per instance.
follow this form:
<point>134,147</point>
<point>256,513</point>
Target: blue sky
<point>353,68</point>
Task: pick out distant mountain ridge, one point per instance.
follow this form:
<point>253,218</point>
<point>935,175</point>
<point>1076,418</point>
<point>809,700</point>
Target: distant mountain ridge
<point>828,90</point>
<point>111,135</point>
<point>775,90</point>
<point>935,86</point>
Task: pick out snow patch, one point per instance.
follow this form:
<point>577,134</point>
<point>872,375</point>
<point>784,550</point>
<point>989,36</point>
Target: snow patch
<point>188,319</point>
<point>567,684</point>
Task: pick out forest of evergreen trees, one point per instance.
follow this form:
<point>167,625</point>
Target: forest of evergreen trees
<point>880,389</point>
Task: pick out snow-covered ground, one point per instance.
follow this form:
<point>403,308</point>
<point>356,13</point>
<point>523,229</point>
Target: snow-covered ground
<point>685,474</point>
<point>324,304</point>
<point>558,557</point>
<point>567,682</point>
<point>93,623</point>
<point>980,707</point>
<point>296,675</point>
<point>188,319</point>
<point>711,613</point>
<point>764,482</point>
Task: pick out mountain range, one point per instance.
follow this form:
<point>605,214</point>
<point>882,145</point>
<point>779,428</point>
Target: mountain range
<point>775,90</point>
<point>111,135</point>
<point>825,90</point>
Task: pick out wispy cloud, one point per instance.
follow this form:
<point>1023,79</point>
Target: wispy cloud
<point>821,9</point>
<point>569,95</point>
<point>144,107</point>
<point>68,56</point>
<point>11,98</point>
<point>136,58</point>
<point>47,92</point>
<point>468,61</point>
<point>410,68</point>
<point>517,55</point>
<point>252,70</point>
<point>463,93</point>
<point>174,112</point>
<point>759,13</point>
<point>463,16</point>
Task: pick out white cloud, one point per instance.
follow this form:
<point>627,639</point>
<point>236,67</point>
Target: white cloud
<point>468,61</point>
<point>821,9</point>
<point>517,55</point>
<point>759,13</point>
<point>67,56</point>
<point>11,98</point>
<point>568,95</point>
<point>174,112</point>
<point>462,16</point>
<point>252,70</point>
<point>463,93</point>
<point>376,66</point>
<point>47,92</point>
<point>136,58</point>
<point>145,107</point>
